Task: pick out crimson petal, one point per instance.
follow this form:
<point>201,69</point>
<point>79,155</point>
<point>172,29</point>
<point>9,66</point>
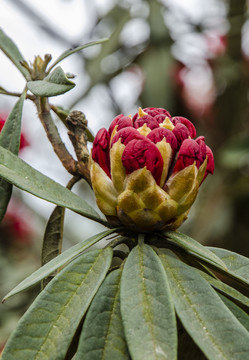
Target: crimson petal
<point>182,120</point>
<point>189,153</point>
<point>146,119</point>
<point>140,153</point>
<point>100,150</point>
<point>126,135</point>
<point>158,134</point>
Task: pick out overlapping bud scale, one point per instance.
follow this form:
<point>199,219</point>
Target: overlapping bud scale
<point>146,170</point>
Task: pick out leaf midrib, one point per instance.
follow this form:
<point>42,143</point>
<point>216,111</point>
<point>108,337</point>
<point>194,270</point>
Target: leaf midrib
<point>66,306</point>
<point>192,305</point>
<point>145,297</point>
<point>115,301</point>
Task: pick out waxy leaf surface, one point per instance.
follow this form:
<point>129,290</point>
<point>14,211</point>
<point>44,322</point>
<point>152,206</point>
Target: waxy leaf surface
<point>10,140</point>
<point>12,52</point>
<point>24,176</point>
<point>56,83</point>
<point>57,262</point>
<point>102,336</point>
<point>146,307</point>
<point>204,316</point>
<point>47,328</point>
<point>193,247</point>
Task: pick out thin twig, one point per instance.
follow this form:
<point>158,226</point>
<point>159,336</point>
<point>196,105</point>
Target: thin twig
<point>73,181</point>
<point>16,94</point>
<point>54,137</point>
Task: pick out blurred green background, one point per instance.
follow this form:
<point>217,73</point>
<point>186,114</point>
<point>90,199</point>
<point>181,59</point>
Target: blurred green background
<point>191,59</point>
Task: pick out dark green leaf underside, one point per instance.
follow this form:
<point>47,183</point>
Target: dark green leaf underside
<point>57,262</point>
<point>47,328</point>
<point>56,83</point>
<point>19,173</point>
<point>12,52</point>
<point>10,140</point>
<point>193,247</point>
<point>204,316</point>
<point>226,289</point>
<point>146,307</point>
<point>102,336</point>
<point>236,263</point>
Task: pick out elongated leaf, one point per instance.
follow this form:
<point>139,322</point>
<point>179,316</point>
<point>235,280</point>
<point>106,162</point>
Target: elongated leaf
<point>225,289</point>
<point>102,336</point>
<point>47,328</point>
<point>53,235</point>
<point>204,316</point>
<point>146,307</point>
<point>10,49</point>
<point>240,314</point>
<point>52,239</point>
<point>19,173</point>
<point>193,247</point>
<point>69,52</point>
<point>236,263</point>
<point>10,140</point>
<point>57,262</point>
<point>56,83</point>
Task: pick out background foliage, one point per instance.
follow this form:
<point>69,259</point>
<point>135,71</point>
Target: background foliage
<point>158,55</point>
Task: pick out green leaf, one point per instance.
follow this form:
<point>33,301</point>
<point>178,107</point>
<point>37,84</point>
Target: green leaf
<point>10,140</point>
<point>12,52</point>
<point>52,239</point>
<point>146,307</point>
<point>47,328</point>
<point>240,314</point>
<point>69,52</point>
<point>102,335</point>
<point>225,289</point>
<point>56,83</point>
<point>204,316</point>
<point>25,177</point>
<point>235,263</point>
<point>53,235</point>
<point>57,262</point>
<point>194,248</point>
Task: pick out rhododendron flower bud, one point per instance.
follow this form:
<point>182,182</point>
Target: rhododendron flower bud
<point>146,170</point>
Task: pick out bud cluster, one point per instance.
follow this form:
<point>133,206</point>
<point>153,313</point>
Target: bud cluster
<point>146,170</point>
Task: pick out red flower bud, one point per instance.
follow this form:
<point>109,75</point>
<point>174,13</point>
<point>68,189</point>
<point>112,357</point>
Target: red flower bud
<point>121,122</point>
<point>201,141</point>
<point>140,153</point>
<point>146,119</point>
<point>156,170</point>
<point>157,111</point>
<point>160,118</point>
<point>114,123</point>
<point>158,134</point>
<point>210,162</point>
<point>126,135</point>
<point>100,150</point>
<point>182,120</point>
<point>154,112</point>
<point>190,152</point>
<point>181,133</point>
